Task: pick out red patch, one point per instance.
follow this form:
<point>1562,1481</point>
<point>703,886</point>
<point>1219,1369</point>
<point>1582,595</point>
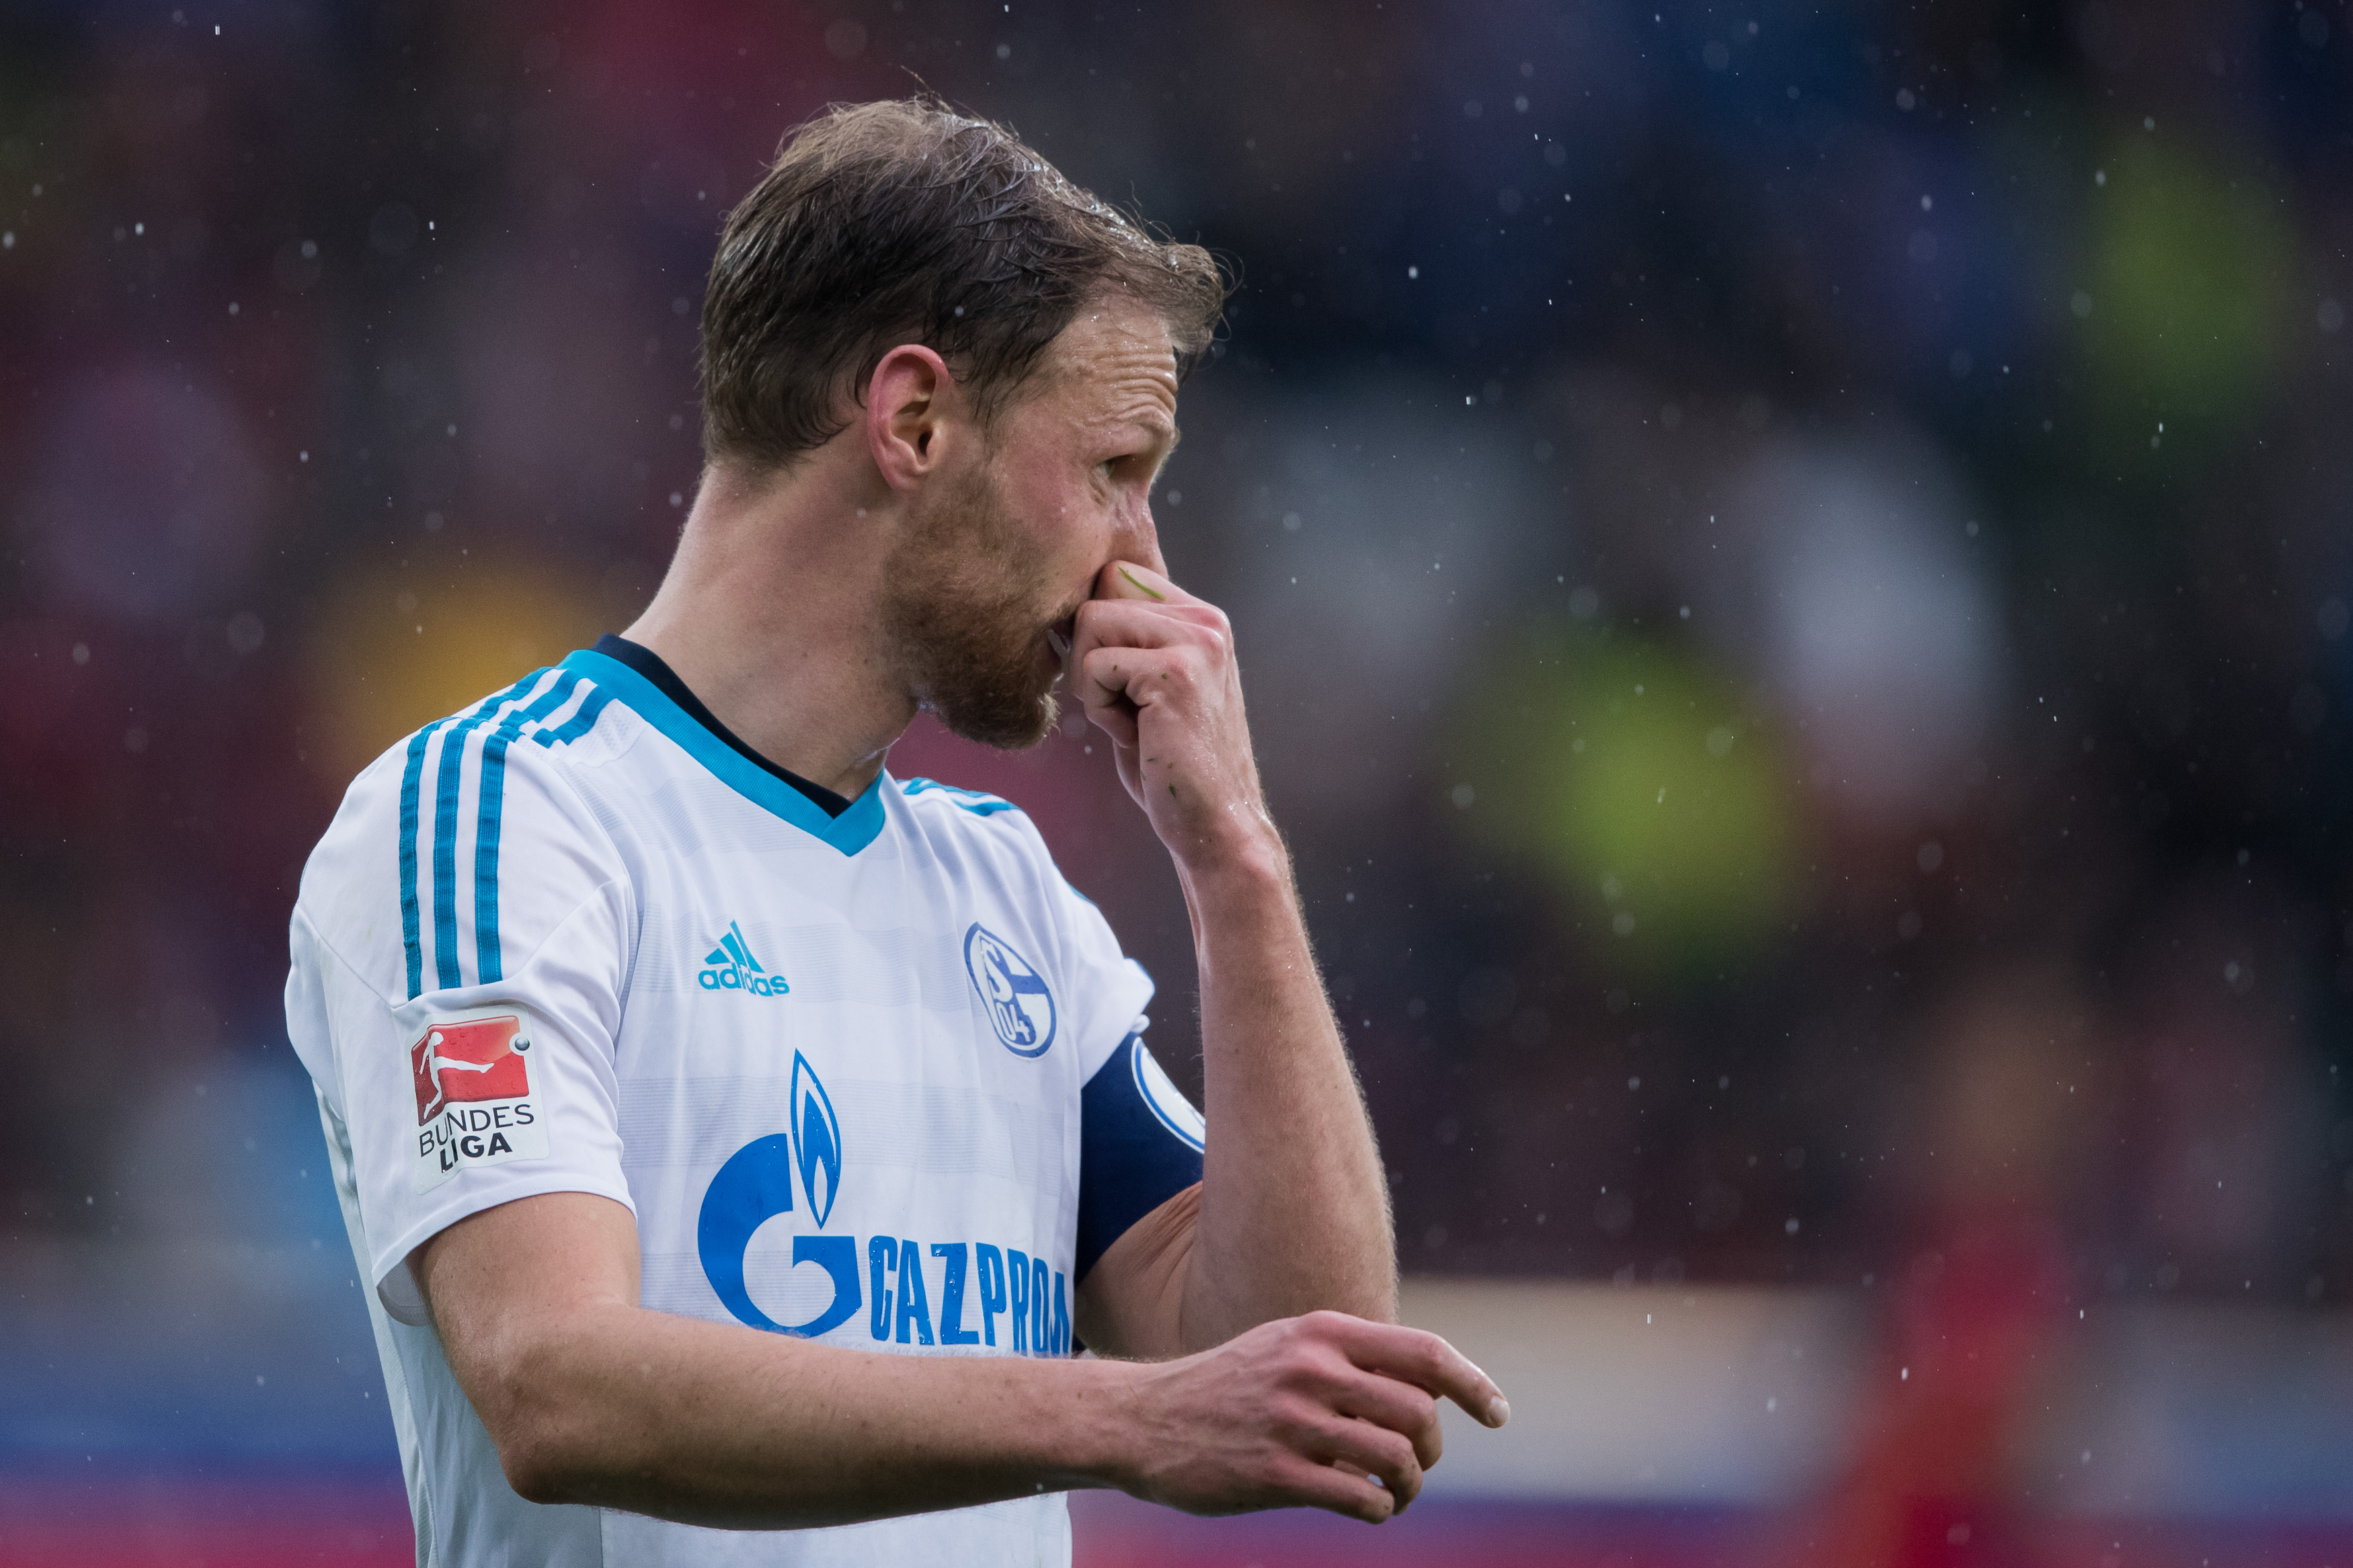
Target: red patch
<point>473,1060</point>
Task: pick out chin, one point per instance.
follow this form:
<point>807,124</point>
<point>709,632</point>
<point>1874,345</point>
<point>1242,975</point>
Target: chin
<point>997,719</point>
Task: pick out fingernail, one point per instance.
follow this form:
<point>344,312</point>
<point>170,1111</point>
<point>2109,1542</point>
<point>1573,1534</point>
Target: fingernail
<point>1061,644</point>
<point>1499,1410</point>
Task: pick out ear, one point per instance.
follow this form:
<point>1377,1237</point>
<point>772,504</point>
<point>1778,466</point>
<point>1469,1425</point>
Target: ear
<point>909,403</point>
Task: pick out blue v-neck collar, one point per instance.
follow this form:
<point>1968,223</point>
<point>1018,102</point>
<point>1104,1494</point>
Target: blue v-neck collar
<point>850,832</point>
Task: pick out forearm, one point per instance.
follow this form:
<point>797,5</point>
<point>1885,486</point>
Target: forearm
<point>1294,1213</point>
<point>715,1425</point>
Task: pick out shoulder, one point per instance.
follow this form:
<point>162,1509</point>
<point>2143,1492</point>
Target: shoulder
<point>447,847</point>
<point>945,810</point>
<point>972,826</point>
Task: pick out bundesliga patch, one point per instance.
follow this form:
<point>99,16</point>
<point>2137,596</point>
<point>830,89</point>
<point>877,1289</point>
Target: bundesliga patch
<point>474,1104</point>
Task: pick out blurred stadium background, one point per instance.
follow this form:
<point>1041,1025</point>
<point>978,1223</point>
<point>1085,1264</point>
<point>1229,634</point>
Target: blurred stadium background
<point>1793,563</point>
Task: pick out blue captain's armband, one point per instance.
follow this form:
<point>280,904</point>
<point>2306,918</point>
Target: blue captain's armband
<point>1139,1145</point>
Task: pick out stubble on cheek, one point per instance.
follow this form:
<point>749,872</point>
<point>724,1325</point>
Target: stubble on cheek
<point>962,611</point>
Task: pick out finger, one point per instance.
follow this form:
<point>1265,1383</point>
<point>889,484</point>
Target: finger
<point>1109,676</point>
<point>1399,1406</point>
<point>1375,1450</point>
<point>1346,1468</point>
<point>1428,1363</point>
<point>1132,633</point>
<point>1127,622</point>
<point>1130,580</point>
<point>1116,720</point>
<point>1307,1484</point>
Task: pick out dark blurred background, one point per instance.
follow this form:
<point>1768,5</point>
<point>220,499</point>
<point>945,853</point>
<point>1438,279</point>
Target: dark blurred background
<point>1792,564</point>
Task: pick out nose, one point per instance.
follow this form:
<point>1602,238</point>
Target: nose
<point>1137,538</point>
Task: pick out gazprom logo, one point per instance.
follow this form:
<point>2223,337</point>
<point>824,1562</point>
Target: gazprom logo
<point>990,1294</point>
<point>730,966</point>
<point>755,1185</point>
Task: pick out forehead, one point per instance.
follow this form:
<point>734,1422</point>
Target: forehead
<point>1113,362</point>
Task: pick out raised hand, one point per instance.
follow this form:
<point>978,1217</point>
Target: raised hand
<point>1154,668</point>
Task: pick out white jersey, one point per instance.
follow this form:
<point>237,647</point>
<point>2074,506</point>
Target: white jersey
<point>841,1069</point>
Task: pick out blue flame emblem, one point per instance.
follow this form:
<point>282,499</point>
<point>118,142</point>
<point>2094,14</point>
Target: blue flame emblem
<point>816,1140</point>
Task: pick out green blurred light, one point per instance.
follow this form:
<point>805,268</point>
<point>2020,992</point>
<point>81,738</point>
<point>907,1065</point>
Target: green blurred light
<point>1626,772</point>
<point>2189,270</point>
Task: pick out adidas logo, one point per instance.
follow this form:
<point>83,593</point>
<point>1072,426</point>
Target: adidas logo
<point>733,968</point>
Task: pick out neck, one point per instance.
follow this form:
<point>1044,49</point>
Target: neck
<point>771,613</point>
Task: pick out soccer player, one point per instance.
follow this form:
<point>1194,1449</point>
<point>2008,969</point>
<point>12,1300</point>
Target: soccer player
<point>733,1135</point>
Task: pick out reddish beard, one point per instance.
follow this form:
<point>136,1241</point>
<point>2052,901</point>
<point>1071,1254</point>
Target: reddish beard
<point>962,611</point>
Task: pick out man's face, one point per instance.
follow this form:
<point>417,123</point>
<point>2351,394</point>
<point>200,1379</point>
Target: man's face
<point>1004,550</point>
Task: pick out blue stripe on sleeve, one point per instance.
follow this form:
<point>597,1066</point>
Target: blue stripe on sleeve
<point>1131,1159</point>
<point>412,776</point>
<point>488,964</point>
<point>446,781</point>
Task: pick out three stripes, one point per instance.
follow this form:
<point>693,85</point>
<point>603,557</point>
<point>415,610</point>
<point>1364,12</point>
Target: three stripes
<point>521,710</point>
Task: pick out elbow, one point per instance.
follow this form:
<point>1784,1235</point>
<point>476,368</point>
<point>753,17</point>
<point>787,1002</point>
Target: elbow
<point>536,1470</point>
<point>548,1441</point>
<point>548,1460</point>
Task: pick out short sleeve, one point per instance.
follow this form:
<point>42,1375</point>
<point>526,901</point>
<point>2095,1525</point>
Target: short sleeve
<point>1108,990</point>
<point>460,953</point>
<point>1140,1141</point>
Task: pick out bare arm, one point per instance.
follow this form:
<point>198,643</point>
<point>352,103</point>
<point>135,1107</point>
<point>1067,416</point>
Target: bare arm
<point>1292,1212</point>
<point>592,1399</point>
